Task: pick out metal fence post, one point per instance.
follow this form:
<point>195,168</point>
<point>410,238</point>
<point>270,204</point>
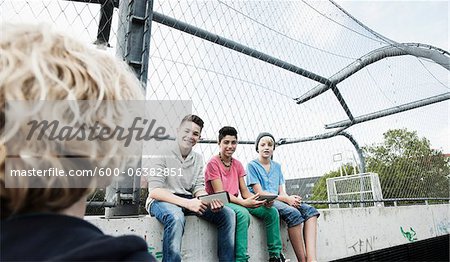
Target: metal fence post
<point>133,44</point>
<point>362,162</point>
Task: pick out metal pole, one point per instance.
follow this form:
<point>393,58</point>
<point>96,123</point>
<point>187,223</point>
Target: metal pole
<point>201,33</point>
<point>106,14</point>
<point>341,100</point>
<point>135,19</point>
<point>362,163</point>
<point>104,27</point>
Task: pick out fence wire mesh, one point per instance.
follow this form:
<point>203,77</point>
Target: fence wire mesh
<point>407,150</point>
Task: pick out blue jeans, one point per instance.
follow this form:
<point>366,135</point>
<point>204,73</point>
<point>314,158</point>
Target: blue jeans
<point>295,216</point>
<point>173,219</point>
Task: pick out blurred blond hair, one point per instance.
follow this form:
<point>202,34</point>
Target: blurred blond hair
<point>40,64</point>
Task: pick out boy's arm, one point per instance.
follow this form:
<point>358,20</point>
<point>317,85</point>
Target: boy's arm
<point>258,189</point>
<point>293,200</point>
<point>156,181</point>
<point>249,198</point>
<point>157,190</point>
<point>201,192</point>
<point>199,187</point>
<point>249,202</point>
<point>164,195</point>
<point>218,187</point>
<point>282,195</point>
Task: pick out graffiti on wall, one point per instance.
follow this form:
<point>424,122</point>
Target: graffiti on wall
<point>363,245</point>
<point>152,250</point>
<point>443,228</point>
<point>158,255</point>
<point>410,234</point>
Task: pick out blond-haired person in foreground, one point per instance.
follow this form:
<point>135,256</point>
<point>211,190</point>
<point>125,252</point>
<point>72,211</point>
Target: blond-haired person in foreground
<point>43,221</point>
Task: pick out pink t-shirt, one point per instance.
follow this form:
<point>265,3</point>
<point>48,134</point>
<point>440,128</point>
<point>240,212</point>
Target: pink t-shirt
<point>230,178</point>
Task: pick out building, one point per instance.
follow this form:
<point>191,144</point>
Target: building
<point>301,186</point>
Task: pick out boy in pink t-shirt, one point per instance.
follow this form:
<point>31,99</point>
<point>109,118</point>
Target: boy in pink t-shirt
<point>229,176</point>
<point>225,173</point>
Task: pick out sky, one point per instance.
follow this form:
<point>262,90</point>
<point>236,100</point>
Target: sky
<point>425,22</point>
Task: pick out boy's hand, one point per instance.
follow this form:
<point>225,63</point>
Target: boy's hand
<point>196,205</point>
<point>252,202</point>
<point>294,200</point>
<point>269,204</point>
<point>216,205</point>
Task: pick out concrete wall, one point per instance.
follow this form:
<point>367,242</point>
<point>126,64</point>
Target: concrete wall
<point>341,232</point>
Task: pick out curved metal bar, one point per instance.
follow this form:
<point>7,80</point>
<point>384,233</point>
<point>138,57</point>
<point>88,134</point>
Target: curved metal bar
<point>362,160</point>
<point>437,55</point>
<point>286,141</point>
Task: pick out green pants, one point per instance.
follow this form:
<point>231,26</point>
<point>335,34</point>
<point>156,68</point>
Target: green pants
<point>272,222</point>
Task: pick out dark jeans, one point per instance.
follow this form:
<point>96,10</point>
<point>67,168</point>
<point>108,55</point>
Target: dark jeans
<point>173,219</point>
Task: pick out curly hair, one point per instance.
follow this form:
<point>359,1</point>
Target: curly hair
<point>39,64</point>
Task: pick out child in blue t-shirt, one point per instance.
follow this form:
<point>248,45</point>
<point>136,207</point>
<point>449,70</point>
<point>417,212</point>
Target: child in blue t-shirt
<point>264,176</point>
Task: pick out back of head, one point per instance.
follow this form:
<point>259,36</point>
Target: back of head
<point>39,64</point>
<point>227,131</point>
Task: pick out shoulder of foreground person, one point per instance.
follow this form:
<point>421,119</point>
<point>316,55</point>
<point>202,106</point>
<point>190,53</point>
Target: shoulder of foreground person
<point>47,236</point>
<point>108,248</point>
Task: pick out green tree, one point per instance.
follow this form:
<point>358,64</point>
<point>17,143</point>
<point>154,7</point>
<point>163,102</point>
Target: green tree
<point>407,166</point>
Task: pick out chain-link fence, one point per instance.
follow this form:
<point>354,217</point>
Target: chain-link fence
<point>296,69</point>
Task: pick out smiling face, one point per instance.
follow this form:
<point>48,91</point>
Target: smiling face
<point>188,134</point>
<point>265,147</point>
<point>227,146</point>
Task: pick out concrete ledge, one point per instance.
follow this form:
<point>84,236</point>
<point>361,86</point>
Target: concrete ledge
<point>341,232</point>
<point>199,239</point>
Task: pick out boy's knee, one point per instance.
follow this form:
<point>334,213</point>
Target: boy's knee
<point>175,219</point>
<point>272,213</point>
<point>294,218</point>
<point>228,214</point>
<point>243,216</point>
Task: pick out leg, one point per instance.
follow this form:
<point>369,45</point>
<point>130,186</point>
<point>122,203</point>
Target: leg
<point>310,214</point>
<point>310,235</point>
<point>225,220</point>
<point>172,217</point>
<point>294,220</point>
<point>242,224</point>
<point>272,222</point>
<point>296,237</point>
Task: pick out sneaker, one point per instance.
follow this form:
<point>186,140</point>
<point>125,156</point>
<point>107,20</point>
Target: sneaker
<point>277,259</point>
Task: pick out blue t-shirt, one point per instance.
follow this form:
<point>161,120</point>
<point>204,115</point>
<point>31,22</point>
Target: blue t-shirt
<point>257,174</point>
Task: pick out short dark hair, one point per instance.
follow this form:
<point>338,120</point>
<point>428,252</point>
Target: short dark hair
<point>195,119</point>
<point>227,131</point>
